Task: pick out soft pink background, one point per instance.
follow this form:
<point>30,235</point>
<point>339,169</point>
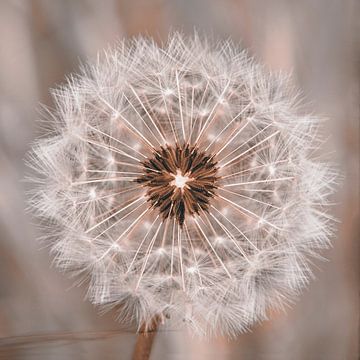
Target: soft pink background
<point>42,40</point>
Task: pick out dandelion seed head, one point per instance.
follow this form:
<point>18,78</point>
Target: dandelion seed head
<point>179,182</point>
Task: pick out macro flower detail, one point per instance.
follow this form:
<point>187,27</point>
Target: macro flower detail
<point>179,182</point>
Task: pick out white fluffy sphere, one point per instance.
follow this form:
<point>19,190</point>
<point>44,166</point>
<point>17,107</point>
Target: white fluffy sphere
<point>179,183</point>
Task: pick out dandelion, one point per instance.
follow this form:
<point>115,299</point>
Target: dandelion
<point>179,183</point>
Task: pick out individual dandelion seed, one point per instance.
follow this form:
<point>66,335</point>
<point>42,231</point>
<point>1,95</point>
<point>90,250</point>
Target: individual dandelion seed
<point>178,181</point>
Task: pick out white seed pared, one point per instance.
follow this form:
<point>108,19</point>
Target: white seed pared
<point>178,182</point>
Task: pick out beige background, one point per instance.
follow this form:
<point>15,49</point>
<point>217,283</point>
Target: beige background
<point>43,40</point>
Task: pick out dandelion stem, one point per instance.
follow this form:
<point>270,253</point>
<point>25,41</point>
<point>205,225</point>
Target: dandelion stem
<point>145,340</point>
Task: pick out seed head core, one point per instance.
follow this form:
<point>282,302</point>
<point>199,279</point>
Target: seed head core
<point>180,181</point>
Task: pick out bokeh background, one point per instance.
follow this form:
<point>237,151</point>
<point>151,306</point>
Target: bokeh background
<point>41,315</point>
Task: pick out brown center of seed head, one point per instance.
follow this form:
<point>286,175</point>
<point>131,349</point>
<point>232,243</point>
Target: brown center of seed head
<point>180,181</point>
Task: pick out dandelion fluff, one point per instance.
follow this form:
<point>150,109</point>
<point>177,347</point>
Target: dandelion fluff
<point>178,183</point>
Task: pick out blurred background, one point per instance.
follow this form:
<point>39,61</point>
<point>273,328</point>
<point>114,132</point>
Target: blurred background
<point>41,315</point>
